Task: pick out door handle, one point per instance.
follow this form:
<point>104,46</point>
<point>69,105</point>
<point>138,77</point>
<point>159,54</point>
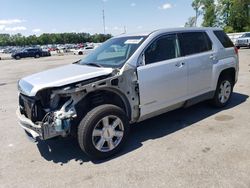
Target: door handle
<point>212,57</point>
<point>180,64</point>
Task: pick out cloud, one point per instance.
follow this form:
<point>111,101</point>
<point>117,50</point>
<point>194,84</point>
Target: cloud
<point>17,28</point>
<point>11,21</point>
<point>37,30</point>
<point>132,4</point>
<point>166,6</point>
<point>2,27</point>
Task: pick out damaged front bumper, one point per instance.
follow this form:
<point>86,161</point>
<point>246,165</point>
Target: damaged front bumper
<point>34,131</point>
<point>43,131</point>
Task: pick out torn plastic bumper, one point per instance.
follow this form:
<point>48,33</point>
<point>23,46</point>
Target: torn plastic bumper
<point>43,131</point>
<point>34,131</point>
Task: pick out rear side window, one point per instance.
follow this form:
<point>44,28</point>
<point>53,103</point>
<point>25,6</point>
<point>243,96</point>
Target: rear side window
<point>224,39</point>
<point>194,42</point>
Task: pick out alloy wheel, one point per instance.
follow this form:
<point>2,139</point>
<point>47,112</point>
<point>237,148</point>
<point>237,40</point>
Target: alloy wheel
<point>108,133</point>
<point>225,91</point>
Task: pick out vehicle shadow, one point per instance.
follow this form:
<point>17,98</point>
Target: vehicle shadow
<point>64,150</point>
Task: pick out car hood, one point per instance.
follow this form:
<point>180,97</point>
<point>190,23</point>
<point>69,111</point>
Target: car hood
<point>60,76</point>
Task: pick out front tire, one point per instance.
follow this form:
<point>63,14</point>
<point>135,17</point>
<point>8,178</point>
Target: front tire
<point>223,92</point>
<point>103,131</point>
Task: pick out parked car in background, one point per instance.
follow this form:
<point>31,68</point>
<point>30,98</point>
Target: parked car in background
<point>128,79</point>
<point>83,51</point>
<point>8,50</point>
<point>45,48</point>
<point>243,41</point>
<point>30,52</point>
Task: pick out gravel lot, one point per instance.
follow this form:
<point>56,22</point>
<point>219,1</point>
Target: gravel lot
<point>195,147</point>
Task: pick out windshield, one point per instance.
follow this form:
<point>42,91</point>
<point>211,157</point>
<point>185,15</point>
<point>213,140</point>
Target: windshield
<point>246,35</point>
<point>114,52</point>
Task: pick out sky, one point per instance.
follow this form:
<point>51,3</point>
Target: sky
<point>30,17</point>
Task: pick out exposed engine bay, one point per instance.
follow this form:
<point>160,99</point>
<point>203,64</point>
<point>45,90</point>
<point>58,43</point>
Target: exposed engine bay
<point>55,111</point>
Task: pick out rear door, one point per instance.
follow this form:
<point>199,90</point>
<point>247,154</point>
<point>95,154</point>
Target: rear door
<point>196,47</point>
<point>163,78</point>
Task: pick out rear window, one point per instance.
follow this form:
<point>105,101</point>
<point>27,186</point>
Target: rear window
<point>194,42</point>
<point>224,39</point>
<point>246,35</point>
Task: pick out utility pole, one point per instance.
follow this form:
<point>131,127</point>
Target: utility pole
<point>103,19</point>
<point>125,30</point>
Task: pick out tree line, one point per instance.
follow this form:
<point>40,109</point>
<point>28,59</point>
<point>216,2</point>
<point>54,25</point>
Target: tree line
<point>51,38</point>
<point>231,15</point>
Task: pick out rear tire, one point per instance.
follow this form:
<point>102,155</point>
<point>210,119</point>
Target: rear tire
<point>223,92</point>
<point>37,56</point>
<point>103,131</point>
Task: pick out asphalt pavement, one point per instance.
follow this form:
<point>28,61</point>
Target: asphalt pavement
<point>194,147</point>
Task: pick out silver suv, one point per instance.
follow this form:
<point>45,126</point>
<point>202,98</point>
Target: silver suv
<point>243,41</point>
<point>128,79</point>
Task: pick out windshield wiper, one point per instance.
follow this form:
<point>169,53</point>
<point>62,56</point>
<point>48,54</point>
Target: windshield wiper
<point>76,62</point>
<point>93,64</point>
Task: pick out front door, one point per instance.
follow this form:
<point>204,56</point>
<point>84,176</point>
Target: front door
<point>163,78</point>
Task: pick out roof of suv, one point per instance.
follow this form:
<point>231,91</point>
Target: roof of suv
<point>170,30</point>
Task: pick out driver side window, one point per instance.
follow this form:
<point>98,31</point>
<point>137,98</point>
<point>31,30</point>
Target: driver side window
<point>164,48</point>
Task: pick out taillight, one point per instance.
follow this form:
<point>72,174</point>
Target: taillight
<point>236,50</point>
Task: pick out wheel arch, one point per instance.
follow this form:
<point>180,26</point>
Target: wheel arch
<point>228,72</point>
<point>103,96</point>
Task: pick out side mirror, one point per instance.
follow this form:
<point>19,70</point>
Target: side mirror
<point>141,61</point>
